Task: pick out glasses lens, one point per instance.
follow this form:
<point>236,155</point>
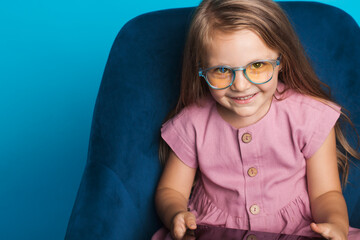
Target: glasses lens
<point>260,72</point>
<point>220,77</point>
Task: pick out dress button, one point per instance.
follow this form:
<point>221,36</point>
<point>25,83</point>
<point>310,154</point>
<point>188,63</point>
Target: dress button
<point>254,209</point>
<point>246,137</point>
<point>251,237</point>
<point>252,172</point>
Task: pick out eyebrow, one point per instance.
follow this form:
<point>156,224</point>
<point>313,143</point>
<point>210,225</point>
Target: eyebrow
<point>232,66</point>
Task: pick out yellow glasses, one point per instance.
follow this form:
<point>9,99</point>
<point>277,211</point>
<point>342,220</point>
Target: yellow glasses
<point>257,72</point>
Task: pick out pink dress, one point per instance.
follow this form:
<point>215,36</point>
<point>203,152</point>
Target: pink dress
<point>254,177</point>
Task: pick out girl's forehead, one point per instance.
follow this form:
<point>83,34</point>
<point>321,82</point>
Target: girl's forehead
<point>242,37</point>
<point>237,47</point>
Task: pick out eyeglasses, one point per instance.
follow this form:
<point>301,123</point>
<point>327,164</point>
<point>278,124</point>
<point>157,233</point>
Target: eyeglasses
<point>257,72</point>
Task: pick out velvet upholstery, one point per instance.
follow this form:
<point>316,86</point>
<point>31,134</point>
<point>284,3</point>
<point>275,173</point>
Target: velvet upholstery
<point>141,84</point>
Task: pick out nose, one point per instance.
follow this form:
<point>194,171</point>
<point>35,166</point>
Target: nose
<point>240,83</point>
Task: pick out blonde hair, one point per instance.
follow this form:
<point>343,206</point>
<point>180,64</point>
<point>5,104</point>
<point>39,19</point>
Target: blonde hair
<point>267,19</point>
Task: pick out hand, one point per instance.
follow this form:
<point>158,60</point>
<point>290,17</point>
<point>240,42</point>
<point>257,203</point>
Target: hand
<point>329,231</point>
<point>181,223</point>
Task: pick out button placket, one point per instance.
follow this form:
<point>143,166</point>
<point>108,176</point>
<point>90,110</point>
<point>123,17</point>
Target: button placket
<point>249,156</point>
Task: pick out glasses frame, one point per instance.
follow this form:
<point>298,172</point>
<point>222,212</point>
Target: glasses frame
<point>273,62</point>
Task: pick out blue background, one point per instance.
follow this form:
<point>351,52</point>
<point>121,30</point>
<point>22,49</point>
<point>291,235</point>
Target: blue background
<point>52,56</point>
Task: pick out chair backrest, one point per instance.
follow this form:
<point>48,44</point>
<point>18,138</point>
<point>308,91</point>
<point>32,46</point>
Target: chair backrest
<point>139,87</point>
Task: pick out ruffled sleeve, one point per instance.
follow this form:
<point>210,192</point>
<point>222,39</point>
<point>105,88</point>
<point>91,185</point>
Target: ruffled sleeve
<point>179,133</point>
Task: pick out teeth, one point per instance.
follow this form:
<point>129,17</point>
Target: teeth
<point>244,98</point>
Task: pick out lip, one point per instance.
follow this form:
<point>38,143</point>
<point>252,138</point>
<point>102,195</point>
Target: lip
<point>244,99</point>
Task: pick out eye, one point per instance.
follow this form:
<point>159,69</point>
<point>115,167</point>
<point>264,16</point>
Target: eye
<point>222,70</point>
<point>257,65</point>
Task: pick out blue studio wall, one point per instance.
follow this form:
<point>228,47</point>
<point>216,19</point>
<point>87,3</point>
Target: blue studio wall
<point>52,56</point>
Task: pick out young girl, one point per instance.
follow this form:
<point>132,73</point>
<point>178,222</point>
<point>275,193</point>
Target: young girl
<point>255,127</point>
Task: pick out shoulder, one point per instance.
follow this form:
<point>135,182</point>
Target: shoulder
<point>191,118</point>
<point>302,107</point>
<point>309,119</point>
<point>194,113</point>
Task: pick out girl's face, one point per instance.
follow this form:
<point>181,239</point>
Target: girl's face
<point>243,103</point>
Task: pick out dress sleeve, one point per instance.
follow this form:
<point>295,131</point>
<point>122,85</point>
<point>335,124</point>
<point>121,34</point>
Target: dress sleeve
<point>322,121</point>
<point>179,133</point>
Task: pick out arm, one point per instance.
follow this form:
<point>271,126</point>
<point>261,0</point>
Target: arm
<point>172,196</point>
<point>328,205</point>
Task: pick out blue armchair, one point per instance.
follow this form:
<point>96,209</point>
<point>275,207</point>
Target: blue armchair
<point>141,84</point>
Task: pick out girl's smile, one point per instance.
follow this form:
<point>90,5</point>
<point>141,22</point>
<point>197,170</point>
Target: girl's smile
<point>243,103</point>
<point>244,99</point>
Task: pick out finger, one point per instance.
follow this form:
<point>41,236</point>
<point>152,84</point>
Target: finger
<point>190,221</point>
<point>321,229</point>
<point>315,228</point>
<point>179,231</point>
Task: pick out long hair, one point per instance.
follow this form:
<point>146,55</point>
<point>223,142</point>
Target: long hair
<point>270,23</point>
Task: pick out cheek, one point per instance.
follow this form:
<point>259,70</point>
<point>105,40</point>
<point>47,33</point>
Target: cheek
<point>217,94</point>
<point>270,87</point>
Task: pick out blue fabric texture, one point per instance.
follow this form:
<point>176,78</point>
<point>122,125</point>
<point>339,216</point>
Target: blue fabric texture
<point>139,87</point>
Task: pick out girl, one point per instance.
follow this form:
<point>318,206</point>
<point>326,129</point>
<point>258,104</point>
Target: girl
<point>255,127</point>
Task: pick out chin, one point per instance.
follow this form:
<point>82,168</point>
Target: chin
<point>245,114</point>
